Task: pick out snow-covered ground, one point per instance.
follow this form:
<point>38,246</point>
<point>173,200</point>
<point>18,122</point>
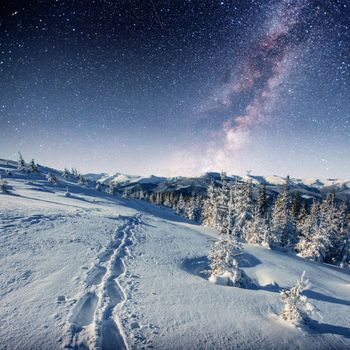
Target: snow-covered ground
<point>96,271</point>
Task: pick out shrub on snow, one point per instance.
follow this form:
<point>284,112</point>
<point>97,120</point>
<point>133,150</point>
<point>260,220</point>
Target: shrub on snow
<point>297,309</point>
<point>224,264</point>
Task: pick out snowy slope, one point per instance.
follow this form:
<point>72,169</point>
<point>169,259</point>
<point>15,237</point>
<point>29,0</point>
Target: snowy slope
<point>96,271</point>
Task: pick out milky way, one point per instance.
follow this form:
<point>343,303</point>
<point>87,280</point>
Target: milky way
<point>178,88</point>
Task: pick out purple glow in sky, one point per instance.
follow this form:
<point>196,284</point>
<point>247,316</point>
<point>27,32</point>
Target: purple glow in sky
<point>178,88</point>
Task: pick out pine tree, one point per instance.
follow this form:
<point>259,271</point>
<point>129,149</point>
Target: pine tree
<point>32,167</point>
<point>3,185</point>
<point>21,165</point>
<point>51,178</point>
<point>258,231</point>
<point>328,228</point>
<point>307,227</point>
<point>66,173</point>
<point>210,210</point>
<point>180,207</point>
<point>224,265</point>
<point>282,222</point>
<point>67,193</point>
<point>222,203</point>
<point>112,188</point>
<point>126,193</point>
<point>141,195</point>
<point>297,309</point>
<point>98,186</point>
<point>261,201</point>
<point>295,206</point>
<point>81,180</point>
<point>243,208</point>
<point>159,199</point>
<point>75,172</point>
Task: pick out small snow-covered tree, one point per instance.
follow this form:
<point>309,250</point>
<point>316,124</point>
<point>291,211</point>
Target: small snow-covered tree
<point>67,193</point>
<point>98,187</point>
<point>297,309</point>
<point>32,167</point>
<point>126,193</point>
<point>112,188</point>
<point>51,178</point>
<point>74,172</point>
<point>66,173</point>
<point>82,180</point>
<point>3,185</point>
<point>21,165</point>
<point>224,265</point>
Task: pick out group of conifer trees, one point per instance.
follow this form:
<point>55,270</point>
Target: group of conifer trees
<point>320,232</point>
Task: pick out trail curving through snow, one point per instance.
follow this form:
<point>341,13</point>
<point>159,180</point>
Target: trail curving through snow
<point>93,321</point>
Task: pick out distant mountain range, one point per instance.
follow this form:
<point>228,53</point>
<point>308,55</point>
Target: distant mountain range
<point>308,187</point>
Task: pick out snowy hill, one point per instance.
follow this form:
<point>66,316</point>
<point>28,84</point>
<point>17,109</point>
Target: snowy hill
<point>96,271</point>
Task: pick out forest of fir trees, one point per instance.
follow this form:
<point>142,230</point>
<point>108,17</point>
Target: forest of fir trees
<point>240,212</point>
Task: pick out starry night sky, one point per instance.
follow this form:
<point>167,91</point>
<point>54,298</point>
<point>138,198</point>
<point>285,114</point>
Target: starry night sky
<point>177,87</point>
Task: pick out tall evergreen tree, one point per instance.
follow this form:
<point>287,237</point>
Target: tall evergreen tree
<point>262,203</point>
<point>243,208</point>
<point>32,167</point>
<point>210,210</point>
<point>21,165</point>
<point>282,222</point>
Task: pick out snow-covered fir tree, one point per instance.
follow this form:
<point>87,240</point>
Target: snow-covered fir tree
<point>82,180</point>
<point>126,193</point>
<point>98,186</point>
<point>282,221</point>
<point>32,167</point>
<point>3,185</point>
<point>296,307</point>
<point>112,188</point>
<point>307,226</point>
<point>180,206</point>
<point>21,165</point>
<point>193,208</point>
<point>210,210</point>
<point>67,193</point>
<point>258,230</point>
<point>159,199</point>
<point>66,173</point>
<point>243,208</point>
<point>224,264</point>
<point>51,178</point>
<point>141,195</point>
<point>328,229</point>
<point>222,205</point>
<point>262,201</point>
<point>296,203</point>
<point>74,172</point>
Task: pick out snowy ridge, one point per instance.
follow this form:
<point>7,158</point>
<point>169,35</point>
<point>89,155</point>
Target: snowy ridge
<point>309,187</point>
